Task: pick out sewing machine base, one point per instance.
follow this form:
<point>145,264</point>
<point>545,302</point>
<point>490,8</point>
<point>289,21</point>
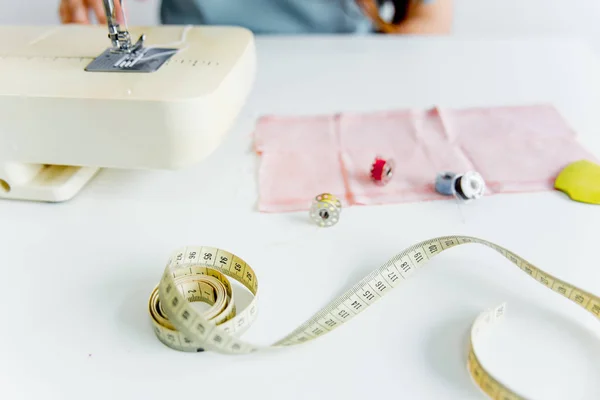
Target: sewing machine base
<point>60,123</point>
<point>42,182</point>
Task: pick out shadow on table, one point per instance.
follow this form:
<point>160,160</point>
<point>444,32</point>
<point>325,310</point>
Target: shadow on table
<point>446,353</point>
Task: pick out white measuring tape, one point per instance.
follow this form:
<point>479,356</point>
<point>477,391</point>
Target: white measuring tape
<point>200,274</point>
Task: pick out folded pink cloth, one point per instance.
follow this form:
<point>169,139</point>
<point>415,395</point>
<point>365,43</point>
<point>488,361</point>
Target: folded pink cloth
<point>515,149</point>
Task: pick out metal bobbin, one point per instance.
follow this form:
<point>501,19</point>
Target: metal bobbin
<point>382,170</point>
<point>466,187</point>
<point>325,210</point>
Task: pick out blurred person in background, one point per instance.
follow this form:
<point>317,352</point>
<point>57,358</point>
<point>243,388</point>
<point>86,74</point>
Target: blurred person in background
<point>288,16</point>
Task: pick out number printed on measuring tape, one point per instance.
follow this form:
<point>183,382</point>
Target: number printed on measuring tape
<point>202,274</point>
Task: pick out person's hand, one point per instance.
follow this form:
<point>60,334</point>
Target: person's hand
<point>79,11</point>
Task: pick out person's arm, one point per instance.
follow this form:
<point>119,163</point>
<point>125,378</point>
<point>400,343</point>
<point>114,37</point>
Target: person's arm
<point>426,17</point>
<point>78,11</point>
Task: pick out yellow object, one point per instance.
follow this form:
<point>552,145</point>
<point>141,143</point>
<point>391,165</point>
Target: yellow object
<point>580,181</point>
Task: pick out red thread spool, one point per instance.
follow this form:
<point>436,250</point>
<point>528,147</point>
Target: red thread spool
<point>382,170</point>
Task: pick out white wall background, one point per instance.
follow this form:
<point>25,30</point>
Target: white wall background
<point>478,18</point>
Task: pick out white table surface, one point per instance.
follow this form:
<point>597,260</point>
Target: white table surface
<point>85,268</point>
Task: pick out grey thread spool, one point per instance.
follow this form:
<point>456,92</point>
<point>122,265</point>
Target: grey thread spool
<point>444,183</point>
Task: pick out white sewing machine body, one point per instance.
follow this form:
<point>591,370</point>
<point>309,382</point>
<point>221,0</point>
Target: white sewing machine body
<point>60,123</point>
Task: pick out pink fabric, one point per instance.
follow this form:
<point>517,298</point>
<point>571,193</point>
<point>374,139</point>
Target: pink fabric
<point>515,149</point>
<point>300,159</point>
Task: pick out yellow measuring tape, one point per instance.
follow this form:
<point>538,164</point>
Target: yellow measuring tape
<point>200,274</point>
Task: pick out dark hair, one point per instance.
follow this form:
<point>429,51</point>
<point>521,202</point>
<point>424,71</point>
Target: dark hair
<point>372,8</point>
<point>400,9</point>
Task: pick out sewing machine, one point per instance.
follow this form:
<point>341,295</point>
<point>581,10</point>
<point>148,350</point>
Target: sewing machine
<point>70,106</point>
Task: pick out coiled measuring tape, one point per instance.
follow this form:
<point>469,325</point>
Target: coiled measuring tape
<point>200,274</point>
